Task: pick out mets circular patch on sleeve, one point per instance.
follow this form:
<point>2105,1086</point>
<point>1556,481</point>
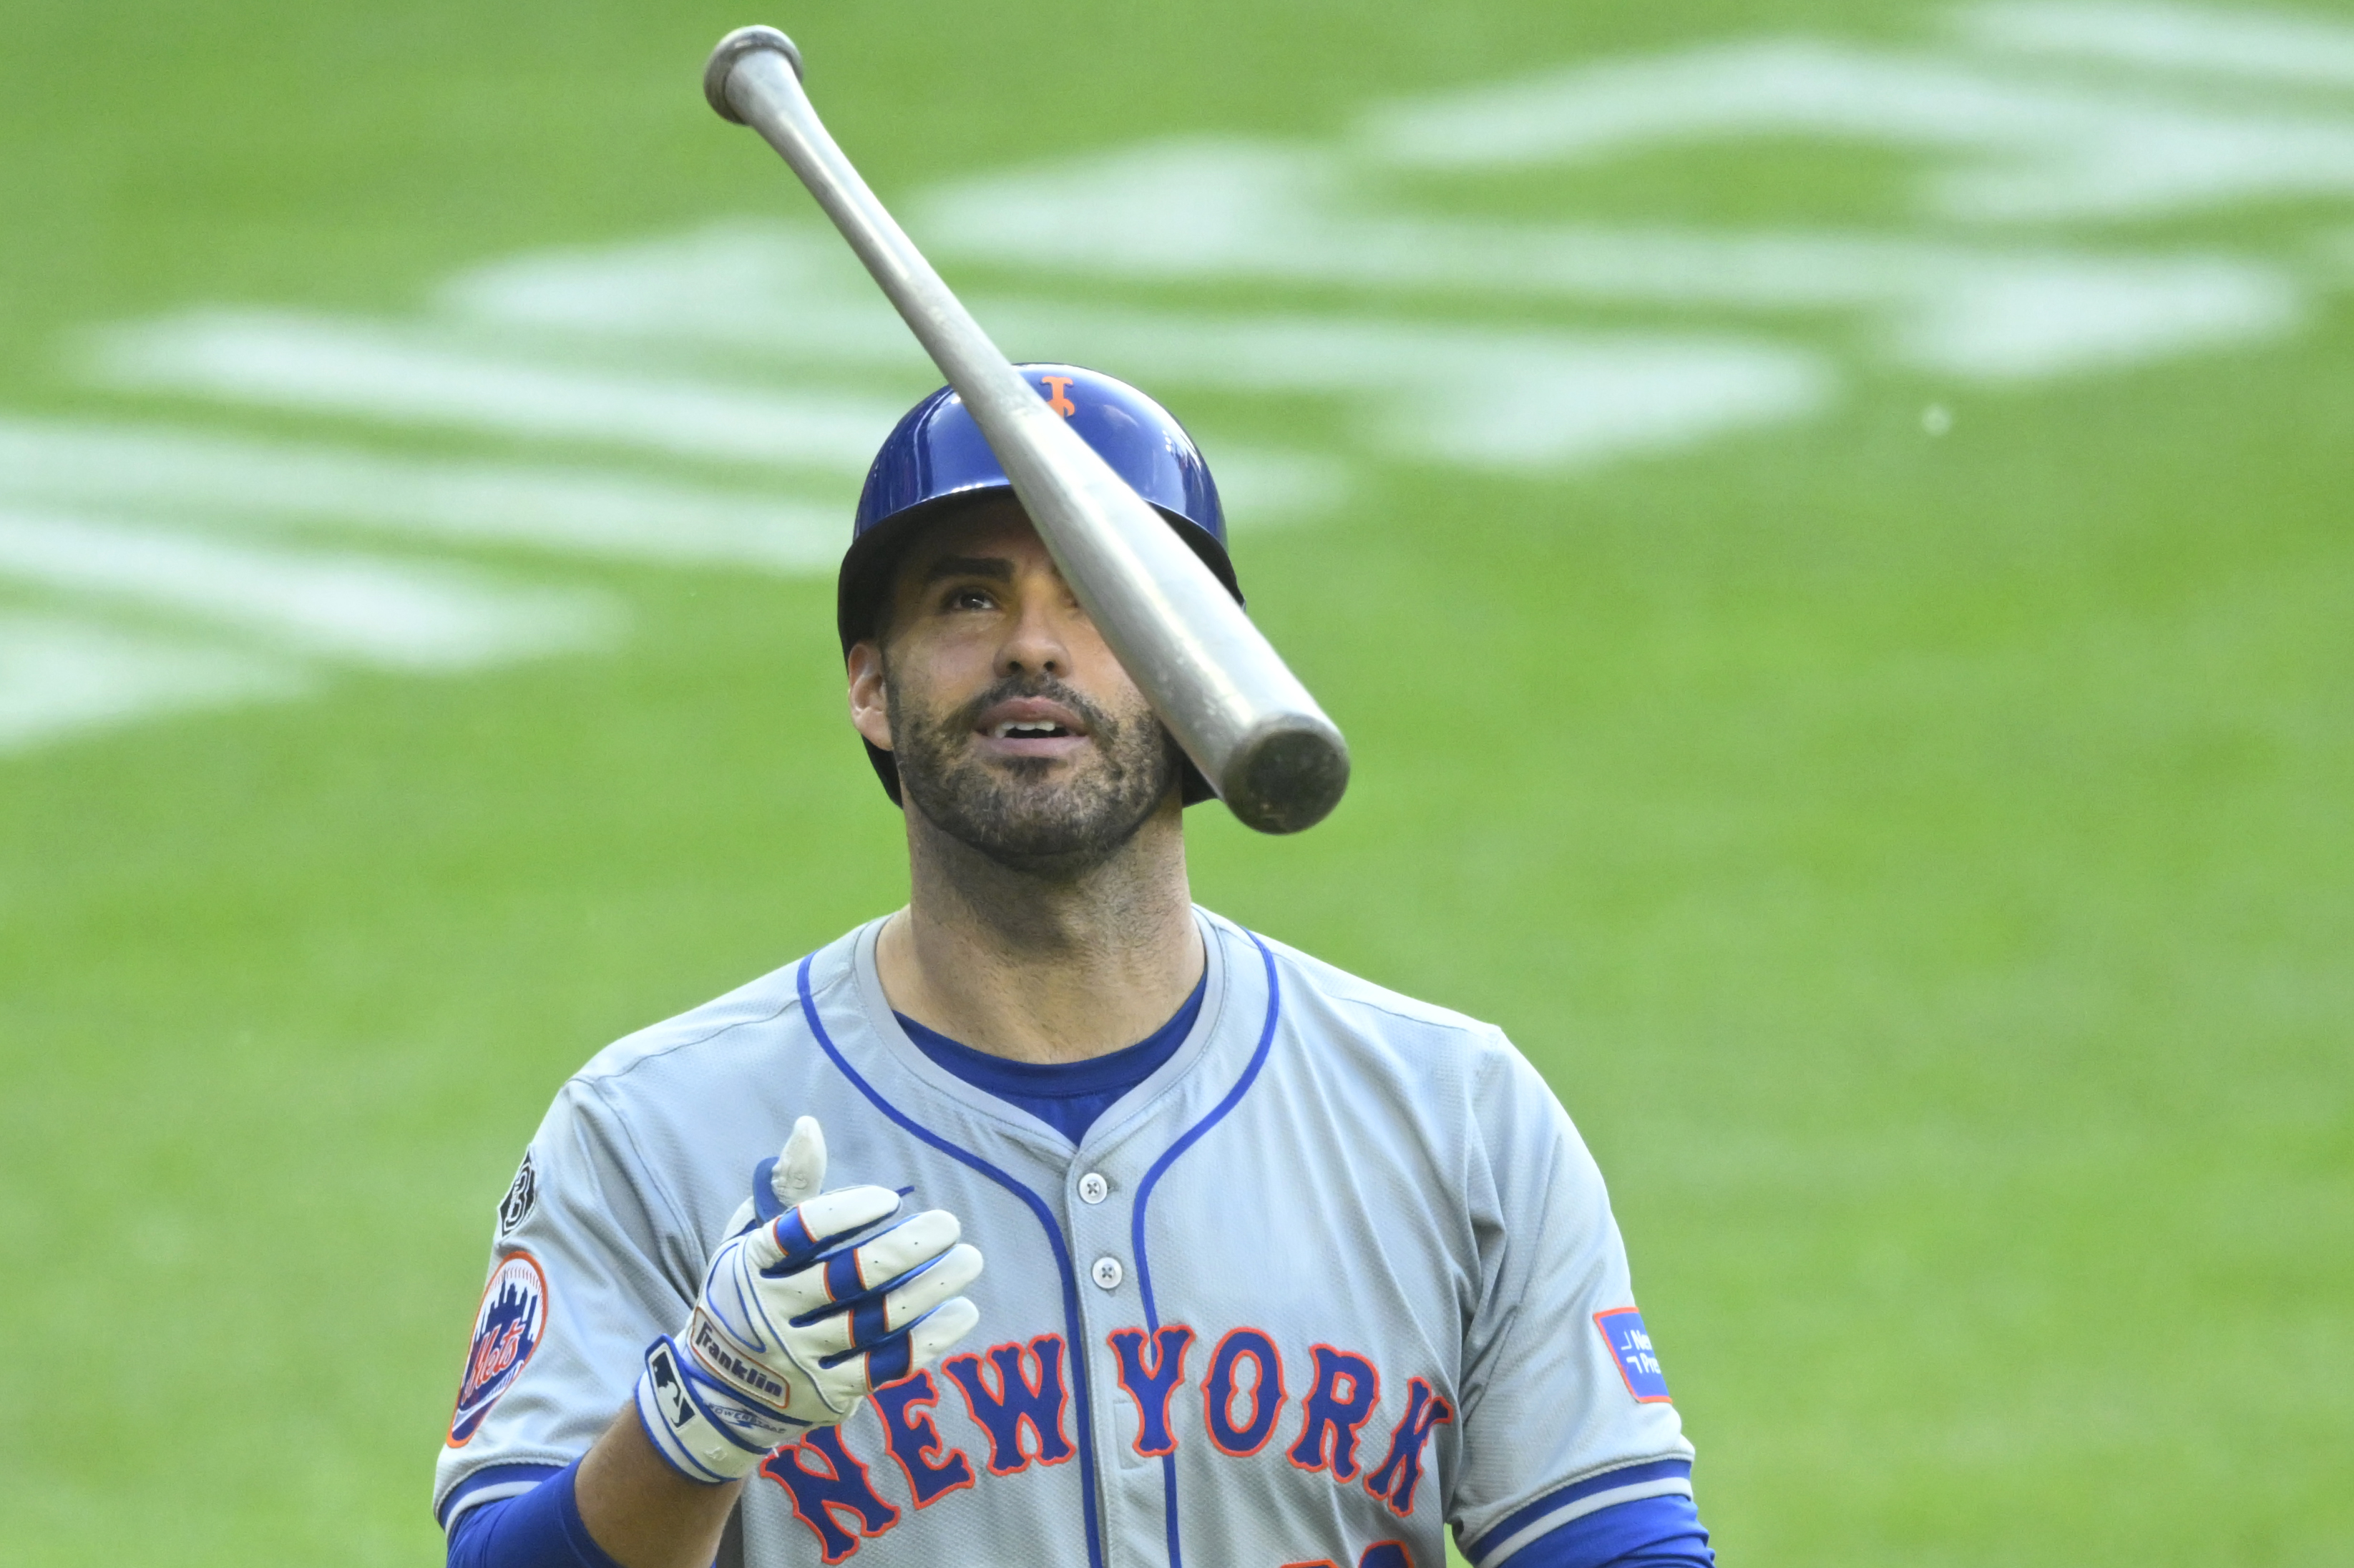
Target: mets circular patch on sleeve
<point>507,1329</point>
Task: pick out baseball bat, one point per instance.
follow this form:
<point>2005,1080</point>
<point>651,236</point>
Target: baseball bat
<point>1221,689</point>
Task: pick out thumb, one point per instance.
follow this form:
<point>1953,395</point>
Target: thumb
<point>800,1172</point>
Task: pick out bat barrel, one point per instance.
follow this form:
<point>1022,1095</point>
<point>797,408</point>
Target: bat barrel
<point>1217,683</point>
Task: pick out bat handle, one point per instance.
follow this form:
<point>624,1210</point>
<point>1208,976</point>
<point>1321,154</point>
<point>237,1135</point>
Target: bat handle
<point>1278,763</point>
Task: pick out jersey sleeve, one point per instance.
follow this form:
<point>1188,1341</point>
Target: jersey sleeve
<point>1565,1408</point>
<point>589,1261</point>
<point>1650,1532</point>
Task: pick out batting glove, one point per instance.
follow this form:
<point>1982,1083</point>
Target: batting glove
<point>804,1310</point>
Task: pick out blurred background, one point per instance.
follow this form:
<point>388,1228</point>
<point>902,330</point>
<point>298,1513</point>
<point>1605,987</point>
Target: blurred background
<point>1829,527</point>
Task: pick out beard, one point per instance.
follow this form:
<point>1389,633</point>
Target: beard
<point>1010,809</point>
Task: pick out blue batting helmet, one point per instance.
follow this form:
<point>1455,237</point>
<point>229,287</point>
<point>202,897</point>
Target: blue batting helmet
<point>935,459</point>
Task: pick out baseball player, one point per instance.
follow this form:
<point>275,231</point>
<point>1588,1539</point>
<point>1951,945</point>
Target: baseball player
<point>1282,1269</point>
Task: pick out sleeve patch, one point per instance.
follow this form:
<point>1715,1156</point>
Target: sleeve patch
<point>508,1326</point>
<point>520,1197</point>
<point>1630,1347</point>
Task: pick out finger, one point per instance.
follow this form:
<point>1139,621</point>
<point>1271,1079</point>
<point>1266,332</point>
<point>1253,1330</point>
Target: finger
<point>829,1340</point>
<point>799,1173</point>
<point>858,1277</point>
<point>875,1264</point>
<point>805,1229</point>
<point>957,1268</point>
<point>833,1217</point>
<point>877,1318</point>
<point>931,1339</point>
<point>795,1173</point>
<point>903,1352</point>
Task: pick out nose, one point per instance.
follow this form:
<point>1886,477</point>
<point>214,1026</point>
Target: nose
<point>1035,642</point>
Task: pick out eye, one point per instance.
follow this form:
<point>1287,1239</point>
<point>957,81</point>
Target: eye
<point>968,599</point>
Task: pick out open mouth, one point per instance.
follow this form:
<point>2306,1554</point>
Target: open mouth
<point>1031,727</point>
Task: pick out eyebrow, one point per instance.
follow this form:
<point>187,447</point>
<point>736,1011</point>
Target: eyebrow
<point>995,569</point>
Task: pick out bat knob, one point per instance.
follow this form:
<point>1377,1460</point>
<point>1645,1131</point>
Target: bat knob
<point>1288,775</point>
<point>732,48</point>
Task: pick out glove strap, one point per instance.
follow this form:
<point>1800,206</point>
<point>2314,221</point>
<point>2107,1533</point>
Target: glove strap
<point>699,1429</point>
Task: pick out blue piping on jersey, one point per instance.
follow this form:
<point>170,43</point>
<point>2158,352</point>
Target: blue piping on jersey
<point>1562,1498</point>
<point>1144,1196</point>
<point>1046,1218</point>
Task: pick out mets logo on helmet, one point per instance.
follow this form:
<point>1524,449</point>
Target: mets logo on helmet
<point>508,1326</point>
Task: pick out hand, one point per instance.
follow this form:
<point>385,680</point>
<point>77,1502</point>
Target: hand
<point>799,1317</point>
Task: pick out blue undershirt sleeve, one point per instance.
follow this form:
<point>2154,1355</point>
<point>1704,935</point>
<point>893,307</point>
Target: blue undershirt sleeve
<point>1650,1532</point>
<point>538,1529</point>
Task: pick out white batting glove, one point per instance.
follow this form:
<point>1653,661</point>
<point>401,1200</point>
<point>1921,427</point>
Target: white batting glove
<point>800,1318</point>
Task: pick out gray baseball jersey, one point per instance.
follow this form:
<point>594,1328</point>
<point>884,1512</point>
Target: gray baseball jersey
<point>1339,1273</point>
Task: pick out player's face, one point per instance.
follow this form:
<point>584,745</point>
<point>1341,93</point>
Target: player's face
<point>1016,729</point>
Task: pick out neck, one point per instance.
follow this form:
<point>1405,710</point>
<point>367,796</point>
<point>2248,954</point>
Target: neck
<point>1044,965</point>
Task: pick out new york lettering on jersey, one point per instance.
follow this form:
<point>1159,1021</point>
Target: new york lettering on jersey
<point>1229,1326</point>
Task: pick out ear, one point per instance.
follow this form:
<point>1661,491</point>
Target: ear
<point>870,712</point>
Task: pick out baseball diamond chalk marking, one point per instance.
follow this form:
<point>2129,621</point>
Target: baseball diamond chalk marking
<point>1506,399</point>
<point>756,353</point>
<point>2279,48</point>
<point>281,359</point>
<point>574,511</point>
<point>1275,212</point>
<point>417,618</point>
<point>62,676</point>
<point>2026,147</point>
<point>508,1327</point>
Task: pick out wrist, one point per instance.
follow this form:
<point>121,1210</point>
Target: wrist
<point>697,1435</point>
<point>640,1510</point>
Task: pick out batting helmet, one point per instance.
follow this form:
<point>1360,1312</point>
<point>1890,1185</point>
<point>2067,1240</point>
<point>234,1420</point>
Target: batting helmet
<point>935,459</point>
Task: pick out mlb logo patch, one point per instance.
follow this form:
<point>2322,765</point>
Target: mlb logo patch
<point>1630,1347</point>
<point>508,1326</point>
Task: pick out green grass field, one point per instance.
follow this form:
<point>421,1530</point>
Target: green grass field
<point>1922,862</point>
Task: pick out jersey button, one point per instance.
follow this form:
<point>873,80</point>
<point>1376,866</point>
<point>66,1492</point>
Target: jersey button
<point>1093,1188</point>
<point>1107,1273</point>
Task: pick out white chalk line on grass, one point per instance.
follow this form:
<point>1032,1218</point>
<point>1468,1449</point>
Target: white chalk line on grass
<point>418,617</point>
<point>402,376</point>
<point>789,294</point>
<point>1508,399</point>
<point>572,511</point>
<point>1266,212</point>
<point>318,364</point>
<point>2245,44</point>
<point>758,346</point>
<point>1502,400</point>
<point>2034,149</point>
<point>63,676</point>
